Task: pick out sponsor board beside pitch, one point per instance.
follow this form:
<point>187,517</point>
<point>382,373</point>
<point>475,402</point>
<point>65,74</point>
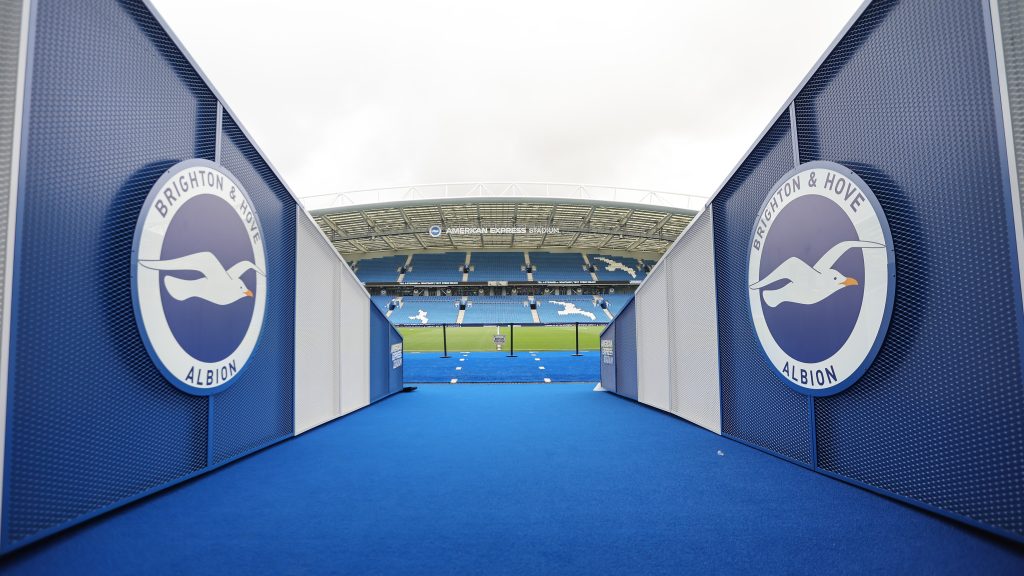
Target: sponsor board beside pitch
<point>396,356</point>
<point>199,276</point>
<point>608,351</point>
<point>821,277</point>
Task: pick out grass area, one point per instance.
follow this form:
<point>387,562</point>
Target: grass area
<point>480,338</point>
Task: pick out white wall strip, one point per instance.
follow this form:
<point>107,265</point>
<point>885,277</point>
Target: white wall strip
<point>354,320</point>
<point>694,317</point>
<point>652,341</point>
<point>317,332</point>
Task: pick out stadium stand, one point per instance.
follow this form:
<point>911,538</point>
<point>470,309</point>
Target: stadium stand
<point>616,301</point>
<point>559,267</point>
<point>617,267</point>
<point>554,309</point>
<point>445,267</point>
<point>382,302</point>
<point>379,269</point>
<point>496,266</point>
<point>426,310</point>
<point>497,310</point>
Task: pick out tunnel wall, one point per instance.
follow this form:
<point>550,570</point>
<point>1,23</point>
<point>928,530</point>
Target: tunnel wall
<point>111,105</point>
<point>917,100</point>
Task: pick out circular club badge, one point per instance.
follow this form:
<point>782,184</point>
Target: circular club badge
<point>821,277</point>
<point>199,276</point>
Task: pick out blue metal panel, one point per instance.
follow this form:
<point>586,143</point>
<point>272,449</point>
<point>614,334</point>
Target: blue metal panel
<point>91,421</point>
<point>625,352</point>
<point>380,354</point>
<point>608,361</point>
<point>756,406</point>
<point>260,407</point>
<point>939,416</point>
<point>396,378</point>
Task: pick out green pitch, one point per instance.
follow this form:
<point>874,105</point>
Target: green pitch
<point>480,338</point>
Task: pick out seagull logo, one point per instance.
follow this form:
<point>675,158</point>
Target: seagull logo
<point>816,333</point>
<point>570,308</point>
<point>219,286</point>
<point>810,284</point>
<point>612,266</point>
<point>199,276</point>
<point>422,317</point>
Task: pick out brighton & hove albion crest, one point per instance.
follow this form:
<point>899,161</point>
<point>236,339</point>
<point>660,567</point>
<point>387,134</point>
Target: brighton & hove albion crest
<point>199,276</point>
<point>821,277</point>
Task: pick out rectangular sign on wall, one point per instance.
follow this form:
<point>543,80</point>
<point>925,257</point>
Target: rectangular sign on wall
<point>396,355</point>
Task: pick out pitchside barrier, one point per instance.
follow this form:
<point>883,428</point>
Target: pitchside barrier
<point>168,306</point>
<point>850,298</point>
<point>480,337</point>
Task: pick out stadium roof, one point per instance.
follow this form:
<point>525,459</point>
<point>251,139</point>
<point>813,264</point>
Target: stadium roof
<point>504,190</point>
<point>468,214</point>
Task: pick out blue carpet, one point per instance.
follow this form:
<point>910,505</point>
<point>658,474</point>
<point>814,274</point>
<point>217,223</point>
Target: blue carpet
<point>515,480</point>
<point>484,367</point>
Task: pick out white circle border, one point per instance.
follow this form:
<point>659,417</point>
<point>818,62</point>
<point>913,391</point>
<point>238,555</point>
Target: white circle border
<point>855,356</point>
<point>167,354</point>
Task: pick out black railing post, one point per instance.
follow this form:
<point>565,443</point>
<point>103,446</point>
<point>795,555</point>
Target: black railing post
<point>511,341</point>
<point>444,339</point>
<point>577,340</point>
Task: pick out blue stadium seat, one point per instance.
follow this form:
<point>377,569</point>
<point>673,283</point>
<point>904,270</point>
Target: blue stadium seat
<point>557,309</point>
<point>497,310</point>
<point>379,269</point>
<point>621,267</point>
<point>426,310</point>
<point>381,302</point>
<point>436,267</point>
<point>489,266</point>
<point>616,301</point>
<point>559,267</point>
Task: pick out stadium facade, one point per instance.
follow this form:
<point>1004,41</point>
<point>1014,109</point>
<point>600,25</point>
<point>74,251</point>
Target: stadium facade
<point>465,259</point>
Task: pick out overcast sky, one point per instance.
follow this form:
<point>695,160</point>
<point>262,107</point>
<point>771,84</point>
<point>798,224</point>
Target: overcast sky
<point>664,95</point>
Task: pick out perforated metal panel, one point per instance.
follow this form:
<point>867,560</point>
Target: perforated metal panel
<point>10,50</point>
<point>1011,24</point>
<point>652,346</point>
<point>354,320</point>
<point>625,352</point>
<point>91,420</point>
<point>259,408</point>
<point>756,406</point>
<point>939,416</point>
<point>317,332</point>
<point>694,321</point>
